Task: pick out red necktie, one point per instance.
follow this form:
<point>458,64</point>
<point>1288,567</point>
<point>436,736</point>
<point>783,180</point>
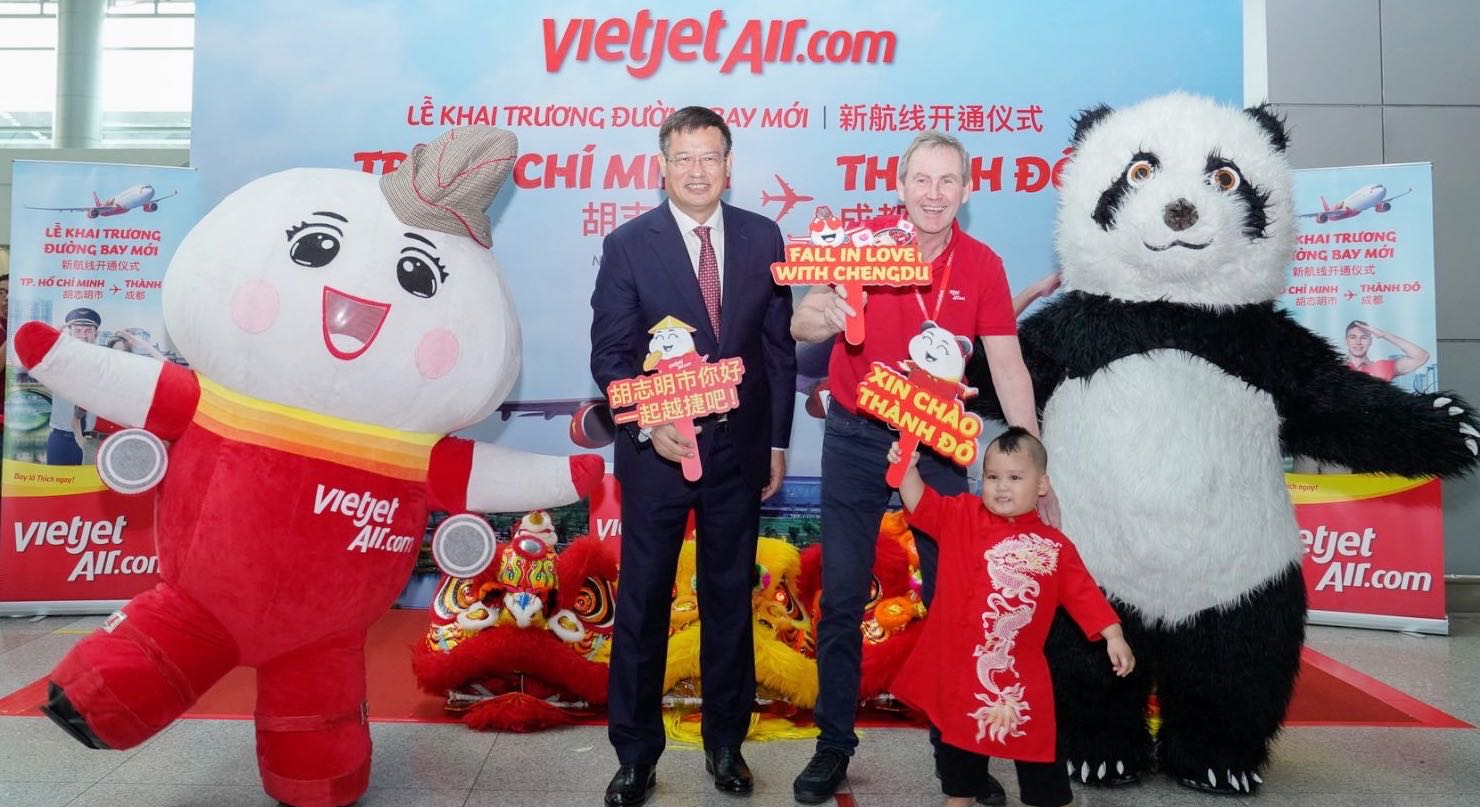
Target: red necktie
<point>708,276</point>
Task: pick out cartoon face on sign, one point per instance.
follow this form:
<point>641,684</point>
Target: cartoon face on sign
<point>671,338</point>
<point>826,230</point>
<point>302,288</point>
<point>939,352</point>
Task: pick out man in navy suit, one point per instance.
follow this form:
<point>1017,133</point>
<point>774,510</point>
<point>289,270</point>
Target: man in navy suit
<point>708,264</point>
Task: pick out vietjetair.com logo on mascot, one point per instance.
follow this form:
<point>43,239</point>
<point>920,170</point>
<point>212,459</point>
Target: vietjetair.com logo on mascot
<point>340,326</point>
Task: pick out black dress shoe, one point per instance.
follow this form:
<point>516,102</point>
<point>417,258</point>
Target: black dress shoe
<point>994,795</point>
<point>632,785</point>
<point>822,776</point>
<point>729,770</point>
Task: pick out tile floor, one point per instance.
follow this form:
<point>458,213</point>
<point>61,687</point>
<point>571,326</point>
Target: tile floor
<point>211,762</point>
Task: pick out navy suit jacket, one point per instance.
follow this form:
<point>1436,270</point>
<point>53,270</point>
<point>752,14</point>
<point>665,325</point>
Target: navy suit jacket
<point>646,275</point>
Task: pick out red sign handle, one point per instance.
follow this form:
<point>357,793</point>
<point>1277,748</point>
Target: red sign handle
<point>853,333</point>
<point>907,447</point>
<point>692,470</point>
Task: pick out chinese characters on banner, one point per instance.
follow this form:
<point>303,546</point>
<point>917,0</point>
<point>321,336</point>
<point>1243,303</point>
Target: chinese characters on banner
<point>821,105</point>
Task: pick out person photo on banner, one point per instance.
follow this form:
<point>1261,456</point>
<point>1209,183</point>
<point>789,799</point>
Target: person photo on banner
<point>968,296</point>
<point>1359,339</point>
<point>62,444</point>
<point>130,341</point>
<point>708,264</point>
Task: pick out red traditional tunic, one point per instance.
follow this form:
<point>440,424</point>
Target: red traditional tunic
<point>979,672</point>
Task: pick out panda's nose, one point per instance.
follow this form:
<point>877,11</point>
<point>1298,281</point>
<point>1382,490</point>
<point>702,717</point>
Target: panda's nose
<point>1180,215</point>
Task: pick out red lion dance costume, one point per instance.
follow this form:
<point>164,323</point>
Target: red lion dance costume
<point>309,442</point>
<point>524,644</point>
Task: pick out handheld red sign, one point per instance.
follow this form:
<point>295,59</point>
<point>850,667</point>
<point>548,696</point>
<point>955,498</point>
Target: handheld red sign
<point>682,386</point>
<point>852,260</point>
<point>924,403</point>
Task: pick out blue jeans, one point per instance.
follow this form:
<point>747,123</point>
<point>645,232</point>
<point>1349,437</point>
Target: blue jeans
<point>854,496</point>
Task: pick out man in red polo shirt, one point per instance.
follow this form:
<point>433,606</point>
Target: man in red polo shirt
<point>969,297</point>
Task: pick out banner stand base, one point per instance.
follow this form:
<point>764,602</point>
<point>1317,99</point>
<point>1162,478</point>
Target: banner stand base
<point>1412,624</point>
<point>60,607</point>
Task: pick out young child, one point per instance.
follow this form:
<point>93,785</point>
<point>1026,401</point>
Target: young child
<point>979,672</point>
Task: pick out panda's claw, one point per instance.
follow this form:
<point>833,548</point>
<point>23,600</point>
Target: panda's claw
<point>1230,782</point>
<point>1438,402</point>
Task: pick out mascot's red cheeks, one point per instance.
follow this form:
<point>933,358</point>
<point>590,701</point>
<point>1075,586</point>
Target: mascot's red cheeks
<point>351,323</point>
<point>586,471</point>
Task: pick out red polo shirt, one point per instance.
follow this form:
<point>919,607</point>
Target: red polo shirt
<point>975,301</point>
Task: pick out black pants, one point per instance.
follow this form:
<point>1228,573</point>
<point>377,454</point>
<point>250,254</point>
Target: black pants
<point>964,774</point>
<point>727,516</point>
<point>854,496</point>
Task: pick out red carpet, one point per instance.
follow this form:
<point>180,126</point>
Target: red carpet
<point>1328,694</point>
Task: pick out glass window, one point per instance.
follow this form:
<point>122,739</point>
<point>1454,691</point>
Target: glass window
<point>144,83</point>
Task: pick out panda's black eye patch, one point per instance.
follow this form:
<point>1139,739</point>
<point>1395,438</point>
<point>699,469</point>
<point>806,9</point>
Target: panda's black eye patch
<point>1224,175</point>
<point>1141,166</point>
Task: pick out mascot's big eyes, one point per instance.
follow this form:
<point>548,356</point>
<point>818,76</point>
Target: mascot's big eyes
<point>416,276</point>
<point>314,248</point>
<point>1139,172</point>
<point>1225,179</point>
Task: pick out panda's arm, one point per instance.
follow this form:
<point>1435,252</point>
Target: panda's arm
<point>1334,414</point>
<point>1036,337</point>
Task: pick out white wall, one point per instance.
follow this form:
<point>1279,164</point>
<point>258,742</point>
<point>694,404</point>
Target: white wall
<point>1391,81</point>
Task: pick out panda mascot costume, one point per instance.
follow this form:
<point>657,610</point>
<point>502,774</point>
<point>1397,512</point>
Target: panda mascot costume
<point>1169,384</point>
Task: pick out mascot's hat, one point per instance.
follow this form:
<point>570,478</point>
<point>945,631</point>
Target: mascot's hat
<point>448,184</point>
<point>670,322</point>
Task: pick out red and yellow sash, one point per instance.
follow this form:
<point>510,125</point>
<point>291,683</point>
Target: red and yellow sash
<point>392,453</point>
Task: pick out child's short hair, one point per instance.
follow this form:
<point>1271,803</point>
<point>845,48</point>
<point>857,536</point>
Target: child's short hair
<point>1016,439</point>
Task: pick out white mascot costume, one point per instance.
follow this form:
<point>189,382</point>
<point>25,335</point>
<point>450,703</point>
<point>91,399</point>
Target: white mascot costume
<point>338,327</point>
<point>1170,383</point>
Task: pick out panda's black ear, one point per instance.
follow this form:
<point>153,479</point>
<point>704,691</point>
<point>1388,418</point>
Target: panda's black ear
<point>1273,124</point>
<point>965,344</point>
<point>1086,120</point>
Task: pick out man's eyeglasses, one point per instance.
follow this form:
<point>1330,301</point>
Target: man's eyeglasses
<point>685,161</point>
